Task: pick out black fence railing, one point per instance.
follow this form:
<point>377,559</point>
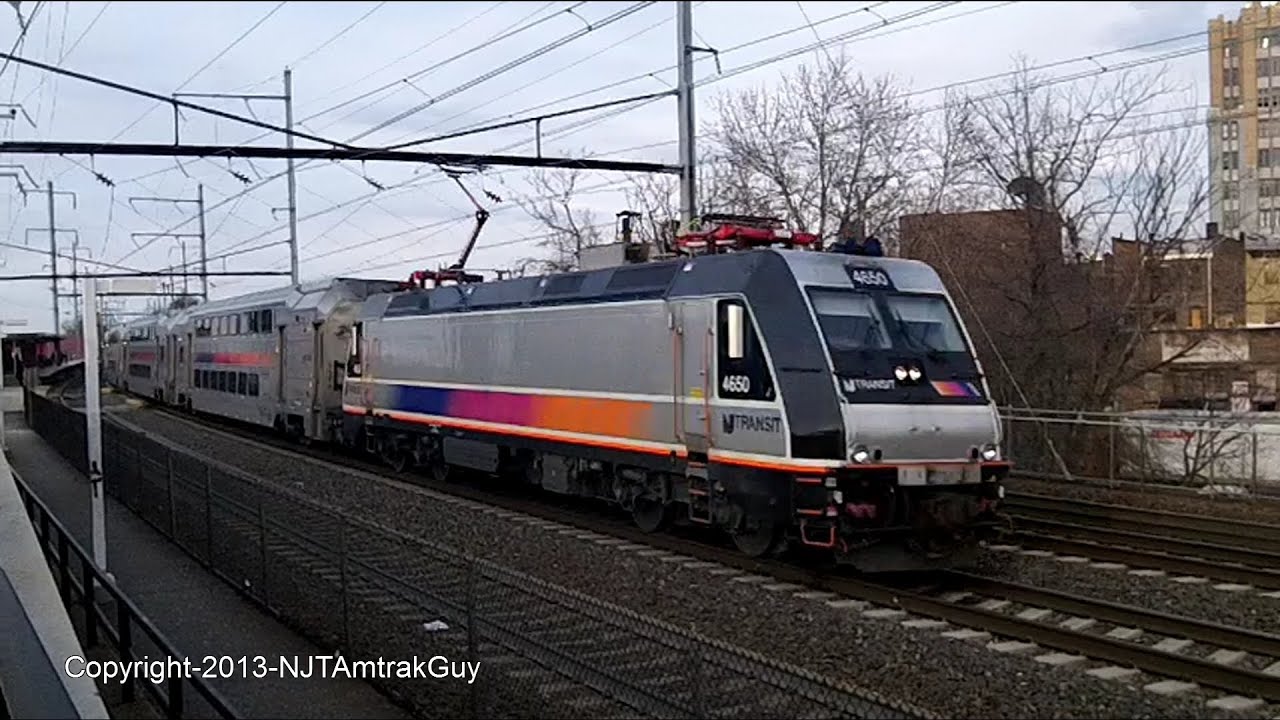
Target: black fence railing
<point>369,591</point>
<point>112,614</point>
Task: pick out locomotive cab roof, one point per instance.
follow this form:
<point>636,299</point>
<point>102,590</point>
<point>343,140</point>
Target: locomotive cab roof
<point>724,273</point>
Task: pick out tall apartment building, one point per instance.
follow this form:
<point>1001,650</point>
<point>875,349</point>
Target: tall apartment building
<point>1244,148</point>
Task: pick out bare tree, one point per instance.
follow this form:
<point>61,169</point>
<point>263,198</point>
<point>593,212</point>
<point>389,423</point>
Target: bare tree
<point>551,203</point>
<point>824,148</point>
<point>1064,302</point>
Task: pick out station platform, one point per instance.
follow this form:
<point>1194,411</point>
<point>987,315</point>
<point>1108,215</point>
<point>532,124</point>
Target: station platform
<point>39,635</point>
<point>198,613</point>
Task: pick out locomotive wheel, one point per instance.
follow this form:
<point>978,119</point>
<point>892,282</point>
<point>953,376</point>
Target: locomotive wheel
<point>650,515</point>
<point>396,458</point>
<point>440,470</point>
<point>757,539</point>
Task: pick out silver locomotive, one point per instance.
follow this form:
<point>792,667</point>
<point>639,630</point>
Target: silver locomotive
<point>786,396</point>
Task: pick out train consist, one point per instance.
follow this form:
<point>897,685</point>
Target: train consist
<point>785,395</point>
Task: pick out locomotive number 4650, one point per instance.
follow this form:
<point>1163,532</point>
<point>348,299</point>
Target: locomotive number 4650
<point>736,384</point>
<point>870,277</point>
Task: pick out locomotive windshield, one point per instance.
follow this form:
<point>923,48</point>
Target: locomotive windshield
<point>871,334</point>
<point>853,320</point>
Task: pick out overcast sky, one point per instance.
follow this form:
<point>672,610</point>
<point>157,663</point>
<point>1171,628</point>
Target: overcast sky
<point>341,51</point>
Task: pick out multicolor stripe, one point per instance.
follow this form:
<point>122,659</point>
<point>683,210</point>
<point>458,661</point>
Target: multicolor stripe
<point>588,416</point>
<point>241,359</point>
<point>952,389</point>
<point>142,356</point>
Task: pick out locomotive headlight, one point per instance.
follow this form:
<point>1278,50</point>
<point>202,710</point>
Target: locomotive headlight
<point>860,454</point>
<point>990,451</point>
<point>900,373</point>
<point>914,373</point>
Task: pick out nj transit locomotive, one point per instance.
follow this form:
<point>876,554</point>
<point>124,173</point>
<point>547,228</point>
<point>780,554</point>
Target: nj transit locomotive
<point>786,396</point>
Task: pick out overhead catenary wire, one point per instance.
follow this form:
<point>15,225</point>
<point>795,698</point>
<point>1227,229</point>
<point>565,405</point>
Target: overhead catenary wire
<point>319,48</point>
<point>500,37</point>
<point>447,33</point>
<point>570,130</point>
<point>509,34</point>
<point>239,39</point>
<point>586,58</point>
<point>507,67</point>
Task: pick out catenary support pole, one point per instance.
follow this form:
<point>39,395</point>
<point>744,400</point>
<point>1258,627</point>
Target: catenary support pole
<point>685,110</point>
<point>93,422</point>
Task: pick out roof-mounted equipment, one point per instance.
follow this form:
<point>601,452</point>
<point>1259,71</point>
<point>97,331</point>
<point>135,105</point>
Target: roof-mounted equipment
<point>455,273</point>
<point>717,233</point>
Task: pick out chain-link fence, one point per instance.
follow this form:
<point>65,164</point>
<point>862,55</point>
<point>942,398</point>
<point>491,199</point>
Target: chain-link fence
<point>1189,448</point>
<point>368,592</point>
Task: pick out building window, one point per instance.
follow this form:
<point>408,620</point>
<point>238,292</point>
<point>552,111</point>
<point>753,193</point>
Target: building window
<point>1264,218</point>
<point>1231,219</point>
<point>1230,76</point>
<point>1231,49</point>
<point>1231,103</point>
<point>1269,188</point>
<point>1231,160</point>
<point>1230,191</point>
<point>1197,318</point>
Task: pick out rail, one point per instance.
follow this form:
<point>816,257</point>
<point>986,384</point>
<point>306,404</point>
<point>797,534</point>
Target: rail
<point>79,580</point>
<point>371,591</point>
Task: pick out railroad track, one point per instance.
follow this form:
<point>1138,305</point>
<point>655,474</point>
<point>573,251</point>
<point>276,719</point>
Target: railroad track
<point>1198,545</point>
<point>1236,534</point>
<point>1243,663</point>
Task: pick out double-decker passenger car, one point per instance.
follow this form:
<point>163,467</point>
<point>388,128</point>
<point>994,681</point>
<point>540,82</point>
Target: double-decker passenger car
<point>274,358</point>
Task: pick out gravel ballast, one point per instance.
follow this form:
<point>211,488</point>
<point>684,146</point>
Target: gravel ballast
<point>953,678</point>
<point>1200,601</point>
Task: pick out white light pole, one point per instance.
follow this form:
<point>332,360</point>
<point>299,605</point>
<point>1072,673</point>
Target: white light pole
<point>93,422</point>
<point>5,324</point>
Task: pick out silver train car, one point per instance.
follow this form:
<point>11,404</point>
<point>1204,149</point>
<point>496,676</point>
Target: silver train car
<point>276,358</point>
<point>788,397</point>
<point>132,361</point>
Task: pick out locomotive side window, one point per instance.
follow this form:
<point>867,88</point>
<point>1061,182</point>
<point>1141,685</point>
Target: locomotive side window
<point>742,373</point>
<point>353,361</point>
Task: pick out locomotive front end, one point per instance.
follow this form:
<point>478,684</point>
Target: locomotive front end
<point>921,481</point>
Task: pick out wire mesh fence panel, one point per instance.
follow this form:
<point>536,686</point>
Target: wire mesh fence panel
<point>151,496</point>
<point>235,542</point>
<point>189,490</point>
<point>303,557</point>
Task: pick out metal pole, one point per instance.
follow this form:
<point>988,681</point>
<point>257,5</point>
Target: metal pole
<point>293,181</point>
<point>684,95</point>
<point>1208,281</point>
<point>53,258</point>
<point>93,422</point>
<point>75,286</point>
<point>186,289</point>
<point>4,446</point>
<point>204,251</point>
